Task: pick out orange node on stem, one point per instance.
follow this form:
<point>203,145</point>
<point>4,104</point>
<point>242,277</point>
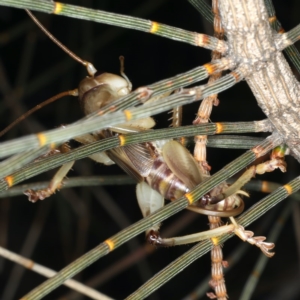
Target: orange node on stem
<point>215,241</point>
<point>122,139</point>
<point>110,244</point>
<point>42,139</point>
<point>58,7</point>
<point>219,128</point>
<point>189,197</point>
<point>288,188</point>
<point>154,27</point>
<point>210,68</point>
<point>128,114</point>
<point>9,180</point>
<point>265,187</point>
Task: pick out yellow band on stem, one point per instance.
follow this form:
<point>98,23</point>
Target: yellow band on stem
<point>154,27</point>
<point>9,180</point>
<point>42,139</point>
<point>189,197</point>
<point>110,244</point>
<point>265,187</point>
<point>128,114</point>
<point>215,241</point>
<point>255,274</point>
<point>219,128</point>
<point>288,188</point>
<point>58,7</point>
<point>210,68</point>
<point>122,139</point>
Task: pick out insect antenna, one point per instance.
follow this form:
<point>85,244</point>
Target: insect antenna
<point>122,69</point>
<point>46,102</point>
<point>89,66</point>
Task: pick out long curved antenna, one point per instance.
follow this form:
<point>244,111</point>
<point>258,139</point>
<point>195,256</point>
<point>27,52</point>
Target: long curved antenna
<point>122,69</point>
<point>89,66</point>
<point>46,102</point>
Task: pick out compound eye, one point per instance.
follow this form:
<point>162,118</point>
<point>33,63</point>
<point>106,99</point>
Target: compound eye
<point>123,91</point>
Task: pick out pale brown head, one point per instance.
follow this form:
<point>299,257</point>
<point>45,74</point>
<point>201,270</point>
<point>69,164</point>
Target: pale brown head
<point>99,90</point>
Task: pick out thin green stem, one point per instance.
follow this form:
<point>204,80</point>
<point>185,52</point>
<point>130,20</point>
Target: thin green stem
<point>204,9</point>
<point>54,161</point>
<point>291,50</point>
<point>294,34</point>
<point>129,22</point>
<point>61,135</point>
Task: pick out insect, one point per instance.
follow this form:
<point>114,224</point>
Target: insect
<point>164,166</point>
<point>108,87</point>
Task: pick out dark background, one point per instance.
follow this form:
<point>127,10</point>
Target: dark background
<point>58,230</point>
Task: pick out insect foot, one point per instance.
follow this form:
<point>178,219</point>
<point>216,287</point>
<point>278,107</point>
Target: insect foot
<point>34,196</point>
<point>154,238</point>
<point>258,241</point>
<point>56,182</point>
<point>271,165</point>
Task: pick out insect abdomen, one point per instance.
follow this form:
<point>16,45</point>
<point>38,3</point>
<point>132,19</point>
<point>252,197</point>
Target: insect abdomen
<point>163,180</point>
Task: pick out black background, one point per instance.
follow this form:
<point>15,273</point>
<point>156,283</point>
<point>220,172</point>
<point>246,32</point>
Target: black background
<point>73,222</point>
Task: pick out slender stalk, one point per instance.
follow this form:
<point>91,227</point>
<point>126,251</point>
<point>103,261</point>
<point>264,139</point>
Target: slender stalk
<point>54,161</point>
<point>293,35</point>
<point>129,22</point>
<point>91,124</point>
<point>291,50</point>
<point>19,160</point>
<point>29,264</point>
<point>204,9</point>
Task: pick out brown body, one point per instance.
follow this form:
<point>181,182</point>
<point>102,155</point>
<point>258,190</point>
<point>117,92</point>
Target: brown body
<point>163,180</point>
<point>166,166</point>
<point>144,162</point>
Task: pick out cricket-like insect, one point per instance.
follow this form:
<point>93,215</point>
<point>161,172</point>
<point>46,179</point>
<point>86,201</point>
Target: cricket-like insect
<point>164,166</point>
<point>163,169</point>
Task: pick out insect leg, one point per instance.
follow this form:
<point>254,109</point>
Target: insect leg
<point>100,157</point>
<point>267,166</point>
<point>248,236</point>
<point>149,201</point>
<point>217,282</point>
<point>57,180</point>
<point>276,161</point>
<point>54,184</point>
<point>191,238</point>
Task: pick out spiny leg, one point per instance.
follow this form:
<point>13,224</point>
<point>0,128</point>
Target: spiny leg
<point>100,157</point>
<point>276,162</point>
<point>217,282</point>
<point>55,183</point>
<point>248,236</point>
